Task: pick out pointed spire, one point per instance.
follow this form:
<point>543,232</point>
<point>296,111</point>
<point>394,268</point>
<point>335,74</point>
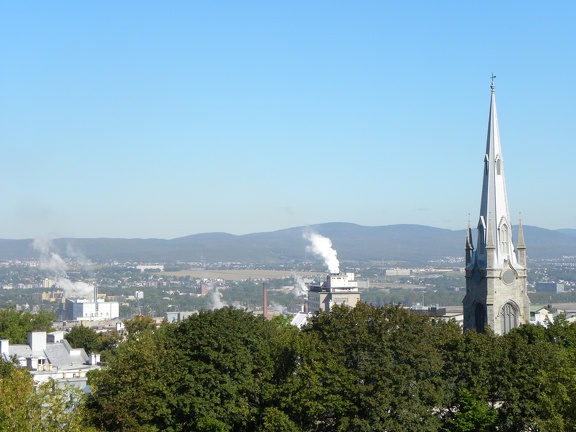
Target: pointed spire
<point>521,249</point>
<point>521,244</point>
<point>469,242</point>
<point>494,202</point>
<point>469,245</point>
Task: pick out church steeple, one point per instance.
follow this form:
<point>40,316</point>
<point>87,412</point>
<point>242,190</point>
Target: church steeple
<point>496,285</point>
<point>494,201</point>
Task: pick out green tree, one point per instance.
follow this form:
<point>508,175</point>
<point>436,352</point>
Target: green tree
<point>541,386</point>
<point>133,392</point>
<point>369,369</point>
<point>139,324</point>
<point>17,388</point>
<point>84,337</point>
<point>472,415</point>
<point>45,408</point>
<point>215,371</point>
<point>15,325</point>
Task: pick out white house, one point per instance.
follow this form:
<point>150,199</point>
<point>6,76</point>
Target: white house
<point>51,356</point>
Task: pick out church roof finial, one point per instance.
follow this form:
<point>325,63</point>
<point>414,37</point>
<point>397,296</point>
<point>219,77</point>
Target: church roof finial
<point>492,83</point>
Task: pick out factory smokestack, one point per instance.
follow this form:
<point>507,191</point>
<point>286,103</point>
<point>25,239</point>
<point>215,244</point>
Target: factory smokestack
<point>265,299</point>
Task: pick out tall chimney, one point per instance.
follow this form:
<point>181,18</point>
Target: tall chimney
<point>265,300</point>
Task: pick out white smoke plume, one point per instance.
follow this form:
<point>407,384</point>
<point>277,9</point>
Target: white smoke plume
<point>322,246</point>
<point>49,260</point>
<point>53,262</point>
<point>300,288</point>
<point>275,309</point>
<point>215,299</point>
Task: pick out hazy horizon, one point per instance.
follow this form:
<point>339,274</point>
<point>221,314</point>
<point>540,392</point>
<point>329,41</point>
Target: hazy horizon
<point>303,227</point>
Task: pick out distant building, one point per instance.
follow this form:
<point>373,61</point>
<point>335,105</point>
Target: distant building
<point>430,311</point>
<point>202,289</point>
<point>50,296</point>
<point>139,295</point>
<point>443,313</point>
<point>50,356</point>
<point>172,317</point>
<point>551,287</point>
<point>398,272</point>
<point>541,315</point>
<point>157,267</point>
<point>47,283</point>
<point>83,309</point>
<point>300,319</point>
<point>338,288</point>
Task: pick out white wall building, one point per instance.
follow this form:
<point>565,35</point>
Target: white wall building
<point>83,309</point>
<point>50,356</point>
<point>338,288</point>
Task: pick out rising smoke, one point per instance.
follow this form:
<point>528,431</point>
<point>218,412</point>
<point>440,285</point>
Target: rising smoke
<point>322,246</point>
<point>215,299</point>
<point>54,263</point>
<point>300,288</point>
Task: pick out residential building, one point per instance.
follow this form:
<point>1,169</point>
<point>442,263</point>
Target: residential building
<point>50,356</point>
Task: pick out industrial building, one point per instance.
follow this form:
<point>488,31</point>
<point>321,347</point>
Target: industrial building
<point>338,288</point>
<point>83,309</point>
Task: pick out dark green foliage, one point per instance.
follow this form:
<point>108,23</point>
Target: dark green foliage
<point>362,369</point>
<point>472,414</point>
<point>15,325</point>
<point>84,337</point>
<point>371,369</point>
<point>212,372</point>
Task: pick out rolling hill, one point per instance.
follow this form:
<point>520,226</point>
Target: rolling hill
<point>395,243</point>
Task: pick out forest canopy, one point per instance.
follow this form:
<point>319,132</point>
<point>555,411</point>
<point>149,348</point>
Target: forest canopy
<point>363,369</point>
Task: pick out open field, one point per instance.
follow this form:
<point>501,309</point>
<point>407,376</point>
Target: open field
<point>383,285</point>
<point>235,275</point>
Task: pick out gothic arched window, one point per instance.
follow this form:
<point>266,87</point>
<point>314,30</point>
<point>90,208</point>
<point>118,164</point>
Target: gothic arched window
<point>509,317</point>
<point>504,238</point>
<point>479,317</point>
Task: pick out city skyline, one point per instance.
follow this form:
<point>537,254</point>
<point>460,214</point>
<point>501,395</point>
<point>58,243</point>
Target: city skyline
<point>151,120</point>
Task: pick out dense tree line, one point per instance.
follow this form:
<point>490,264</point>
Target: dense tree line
<point>363,369</point>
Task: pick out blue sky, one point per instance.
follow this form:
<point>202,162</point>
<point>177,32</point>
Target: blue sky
<point>164,119</point>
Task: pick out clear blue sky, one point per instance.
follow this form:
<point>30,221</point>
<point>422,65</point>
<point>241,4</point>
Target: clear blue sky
<point>164,119</point>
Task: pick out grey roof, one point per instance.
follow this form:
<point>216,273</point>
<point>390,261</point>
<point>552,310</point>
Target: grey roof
<point>59,354</point>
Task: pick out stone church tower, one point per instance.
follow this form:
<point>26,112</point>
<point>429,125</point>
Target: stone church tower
<point>496,291</point>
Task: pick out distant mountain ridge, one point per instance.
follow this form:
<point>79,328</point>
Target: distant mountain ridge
<point>396,243</point>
